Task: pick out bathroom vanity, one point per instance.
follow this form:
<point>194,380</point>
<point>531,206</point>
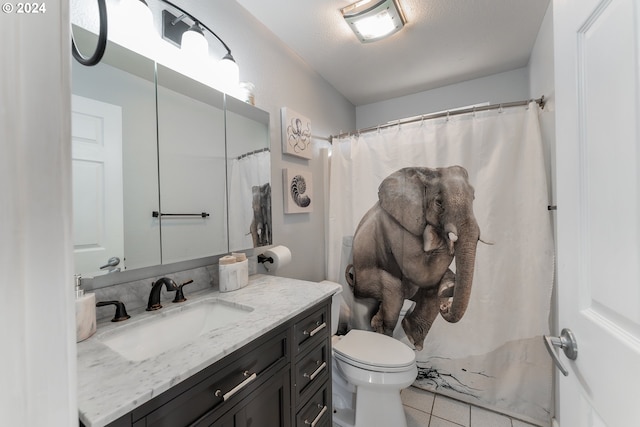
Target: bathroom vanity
<point>269,365</point>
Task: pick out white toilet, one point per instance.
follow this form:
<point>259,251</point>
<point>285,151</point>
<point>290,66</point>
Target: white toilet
<point>369,371</point>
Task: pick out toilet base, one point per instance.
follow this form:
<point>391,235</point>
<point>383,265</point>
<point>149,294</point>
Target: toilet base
<point>373,407</point>
<point>344,417</point>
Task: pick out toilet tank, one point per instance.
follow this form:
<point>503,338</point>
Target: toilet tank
<point>336,304</point>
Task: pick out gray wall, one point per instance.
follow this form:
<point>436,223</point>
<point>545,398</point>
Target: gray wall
<point>502,87</point>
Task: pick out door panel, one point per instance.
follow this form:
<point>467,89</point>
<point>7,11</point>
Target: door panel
<point>97,184</point>
<point>596,59</point>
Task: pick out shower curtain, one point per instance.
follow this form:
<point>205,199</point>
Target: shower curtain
<point>250,201</point>
<point>494,356</point>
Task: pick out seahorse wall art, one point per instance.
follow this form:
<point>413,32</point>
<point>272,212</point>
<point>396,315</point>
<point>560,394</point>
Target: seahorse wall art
<point>298,191</point>
<point>296,134</point>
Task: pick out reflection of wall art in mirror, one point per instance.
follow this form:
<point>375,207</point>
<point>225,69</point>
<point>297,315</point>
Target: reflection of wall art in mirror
<point>298,191</point>
<point>296,134</point>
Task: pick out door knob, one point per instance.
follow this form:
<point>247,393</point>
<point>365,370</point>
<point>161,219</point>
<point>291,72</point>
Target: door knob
<point>111,262</point>
<point>567,342</point>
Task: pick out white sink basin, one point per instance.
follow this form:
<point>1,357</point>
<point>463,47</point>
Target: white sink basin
<point>171,328</point>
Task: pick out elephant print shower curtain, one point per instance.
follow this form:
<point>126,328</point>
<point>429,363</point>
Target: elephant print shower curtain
<point>493,356</point>
<point>250,201</point>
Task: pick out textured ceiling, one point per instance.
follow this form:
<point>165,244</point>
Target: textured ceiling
<point>444,42</point>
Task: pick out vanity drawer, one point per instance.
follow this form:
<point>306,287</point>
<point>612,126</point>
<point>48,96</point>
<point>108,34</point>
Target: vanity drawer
<point>219,390</point>
<point>317,411</point>
<point>314,327</point>
<point>311,369</point>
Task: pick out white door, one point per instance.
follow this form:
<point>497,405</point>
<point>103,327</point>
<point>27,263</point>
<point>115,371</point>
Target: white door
<point>598,167</point>
<point>97,184</point>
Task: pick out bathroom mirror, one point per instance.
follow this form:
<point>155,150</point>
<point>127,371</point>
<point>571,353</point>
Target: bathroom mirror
<point>158,169</point>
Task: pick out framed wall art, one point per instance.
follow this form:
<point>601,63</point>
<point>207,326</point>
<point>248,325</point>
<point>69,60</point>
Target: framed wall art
<point>298,191</point>
<point>296,134</point>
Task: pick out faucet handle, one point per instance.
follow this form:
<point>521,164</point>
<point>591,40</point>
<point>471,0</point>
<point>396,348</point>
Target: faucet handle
<point>121,311</point>
<point>179,294</point>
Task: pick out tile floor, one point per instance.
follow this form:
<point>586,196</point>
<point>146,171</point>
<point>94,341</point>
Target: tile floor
<point>425,409</point>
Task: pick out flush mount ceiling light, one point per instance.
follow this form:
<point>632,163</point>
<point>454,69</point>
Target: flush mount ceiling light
<point>373,20</point>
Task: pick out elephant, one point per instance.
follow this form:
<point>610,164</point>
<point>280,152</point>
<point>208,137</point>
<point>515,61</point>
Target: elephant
<point>404,245</point>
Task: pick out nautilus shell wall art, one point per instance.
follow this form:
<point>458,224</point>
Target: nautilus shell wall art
<point>296,134</point>
<point>298,194</point>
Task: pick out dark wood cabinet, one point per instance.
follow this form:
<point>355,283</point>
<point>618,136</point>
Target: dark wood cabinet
<point>282,379</point>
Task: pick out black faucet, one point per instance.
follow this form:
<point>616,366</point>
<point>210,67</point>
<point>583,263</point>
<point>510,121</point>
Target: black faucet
<point>156,287</point>
<point>180,294</point>
<point>121,311</point>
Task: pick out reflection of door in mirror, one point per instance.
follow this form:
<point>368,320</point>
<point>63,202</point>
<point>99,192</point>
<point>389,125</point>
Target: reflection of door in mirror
<point>191,146</point>
<point>97,183</point>
<point>127,80</point>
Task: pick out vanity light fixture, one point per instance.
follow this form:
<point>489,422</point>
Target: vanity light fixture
<point>185,36</point>
<point>374,20</point>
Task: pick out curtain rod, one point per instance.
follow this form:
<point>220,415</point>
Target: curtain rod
<point>540,101</point>
<point>241,156</point>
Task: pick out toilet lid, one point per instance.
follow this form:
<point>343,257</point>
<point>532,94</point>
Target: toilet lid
<point>374,350</point>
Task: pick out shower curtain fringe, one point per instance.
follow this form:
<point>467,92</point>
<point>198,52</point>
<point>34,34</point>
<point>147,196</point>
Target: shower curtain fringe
<point>540,101</point>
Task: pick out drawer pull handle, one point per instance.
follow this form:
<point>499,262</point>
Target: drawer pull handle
<point>316,372</point>
<point>227,395</point>
<point>317,418</point>
<point>316,330</point>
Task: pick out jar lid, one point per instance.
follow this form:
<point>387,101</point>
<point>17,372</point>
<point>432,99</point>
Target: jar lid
<point>226,260</point>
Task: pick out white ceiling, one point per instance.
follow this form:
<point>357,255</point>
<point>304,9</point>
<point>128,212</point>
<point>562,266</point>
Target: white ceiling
<point>444,42</point>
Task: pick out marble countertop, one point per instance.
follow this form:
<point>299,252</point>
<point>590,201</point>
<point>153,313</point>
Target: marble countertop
<point>110,386</point>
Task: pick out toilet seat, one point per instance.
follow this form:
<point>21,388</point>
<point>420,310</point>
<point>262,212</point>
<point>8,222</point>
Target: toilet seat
<point>374,352</point>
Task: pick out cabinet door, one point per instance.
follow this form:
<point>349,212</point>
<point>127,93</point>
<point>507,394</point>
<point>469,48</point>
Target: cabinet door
<point>267,406</point>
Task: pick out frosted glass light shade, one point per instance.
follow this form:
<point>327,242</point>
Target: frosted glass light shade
<point>375,26</point>
<point>229,74</point>
<point>132,27</point>
<point>194,43</point>
<point>372,21</point>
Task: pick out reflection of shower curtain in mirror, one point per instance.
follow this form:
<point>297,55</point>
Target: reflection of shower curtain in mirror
<point>494,356</point>
<point>250,201</point>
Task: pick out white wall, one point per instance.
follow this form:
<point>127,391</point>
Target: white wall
<point>502,87</point>
<point>541,82</point>
<point>38,356</point>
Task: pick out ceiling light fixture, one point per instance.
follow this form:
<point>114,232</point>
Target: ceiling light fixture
<point>372,21</point>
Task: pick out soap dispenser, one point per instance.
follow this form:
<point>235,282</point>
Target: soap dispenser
<point>85,312</point>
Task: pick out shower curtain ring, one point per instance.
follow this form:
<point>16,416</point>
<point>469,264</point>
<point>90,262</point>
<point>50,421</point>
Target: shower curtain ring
<point>500,109</point>
<point>447,115</point>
